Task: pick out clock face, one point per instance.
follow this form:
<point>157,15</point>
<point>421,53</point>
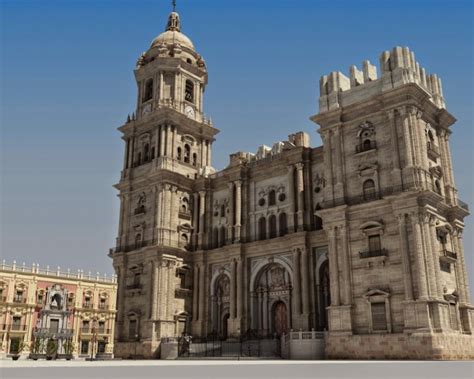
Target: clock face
<point>189,111</point>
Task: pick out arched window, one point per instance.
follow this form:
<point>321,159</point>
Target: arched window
<point>367,144</point>
<point>146,152</point>
<point>222,210</point>
<point>184,240</point>
<point>318,221</point>
<point>283,224</point>
<point>262,228</point>
<point>272,226</point>
<point>153,153</point>
<point>369,189</point>
<point>148,94</point>
<point>138,241</point>
<point>194,159</point>
<point>178,154</point>
<point>222,236</point>
<point>437,187</point>
<point>189,91</point>
<point>139,162</point>
<point>187,153</point>
<point>271,197</point>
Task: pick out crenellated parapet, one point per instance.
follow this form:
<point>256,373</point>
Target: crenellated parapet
<point>397,67</point>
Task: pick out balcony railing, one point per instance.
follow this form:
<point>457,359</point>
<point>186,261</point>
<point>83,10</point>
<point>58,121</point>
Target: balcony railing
<point>450,254</point>
<point>85,329</point>
<point>50,332</point>
<point>18,327</point>
<point>103,306</point>
<point>463,205</point>
<point>373,253</point>
<point>134,286</point>
<point>368,145</point>
<point>135,246</point>
<point>87,305</point>
<point>20,300</point>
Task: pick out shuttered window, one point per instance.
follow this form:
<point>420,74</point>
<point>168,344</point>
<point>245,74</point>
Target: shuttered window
<point>379,317</point>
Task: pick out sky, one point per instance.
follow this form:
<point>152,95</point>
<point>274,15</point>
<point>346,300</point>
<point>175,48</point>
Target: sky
<point>67,83</point>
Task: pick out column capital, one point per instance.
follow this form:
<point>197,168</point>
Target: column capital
<point>291,168</point>
<point>299,166</point>
<point>238,183</point>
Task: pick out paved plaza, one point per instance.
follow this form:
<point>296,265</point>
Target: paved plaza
<point>237,369</point>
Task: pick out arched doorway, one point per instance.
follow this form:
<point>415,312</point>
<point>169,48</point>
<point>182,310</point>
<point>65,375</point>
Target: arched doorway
<point>220,305</point>
<point>279,318</point>
<point>271,300</point>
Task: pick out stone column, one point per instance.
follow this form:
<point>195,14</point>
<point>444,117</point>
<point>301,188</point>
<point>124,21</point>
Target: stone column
<point>157,142</point>
<point>156,280</point>
<point>240,285</point>
<point>460,267</point>
<point>162,140</point>
<point>435,256</point>
<point>195,218</point>
<point>175,139</point>
<point>158,214</point>
<point>300,195</point>
<point>406,138</point>
<point>232,289</point>
<point>339,187</point>
<point>429,256</point>
<point>202,289</point>
<point>333,266</point>
<point>297,283</point>
<point>238,210</point>
<point>346,264</point>
<point>406,264</point>
<point>195,291</point>
<point>396,172</point>
<point>204,153</point>
<point>419,258</point>
<point>291,197</point>
<point>230,219</point>
<point>326,137</point>
<point>169,141</point>
<point>125,156</point>
<point>305,282</point>
<point>131,152</point>
<point>209,153</point>
<point>202,219</point>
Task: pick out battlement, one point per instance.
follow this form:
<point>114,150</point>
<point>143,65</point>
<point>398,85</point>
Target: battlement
<point>397,67</point>
<point>299,139</point>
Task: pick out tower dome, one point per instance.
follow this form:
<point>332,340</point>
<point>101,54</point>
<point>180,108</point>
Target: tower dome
<point>172,35</point>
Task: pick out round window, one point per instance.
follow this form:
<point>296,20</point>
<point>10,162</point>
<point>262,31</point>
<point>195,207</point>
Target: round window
<point>261,202</point>
<point>317,189</point>
<point>282,197</point>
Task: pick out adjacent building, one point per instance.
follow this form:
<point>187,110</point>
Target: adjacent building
<point>360,237</point>
<point>75,310</point>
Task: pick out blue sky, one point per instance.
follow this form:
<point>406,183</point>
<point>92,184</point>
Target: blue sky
<point>67,83</point>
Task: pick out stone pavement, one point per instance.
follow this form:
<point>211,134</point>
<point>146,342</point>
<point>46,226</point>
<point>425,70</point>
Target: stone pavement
<point>237,369</point>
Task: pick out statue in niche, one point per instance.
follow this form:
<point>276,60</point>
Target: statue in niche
<point>277,277</point>
<point>223,288</point>
<point>56,301</point>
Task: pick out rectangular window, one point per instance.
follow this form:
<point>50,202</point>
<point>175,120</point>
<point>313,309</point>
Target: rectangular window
<point>379,316</point>
<point>444,266</point>
<point>84,347</point>
<point>132,329</point>
<point>85,326</point>
<point>16,323</point>
<point>101,347</point>
<point>39,300</point>
<point>374,243</point>
<point>101,326</point>
<point>136,280</point>
<point>453,317</point>
<point>54,325</point>
<point>19,296</point>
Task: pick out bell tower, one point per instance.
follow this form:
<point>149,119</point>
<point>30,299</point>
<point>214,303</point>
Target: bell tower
<point>168,143</point>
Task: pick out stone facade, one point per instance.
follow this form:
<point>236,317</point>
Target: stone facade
<point>360,237</point>
<point>76,311</point>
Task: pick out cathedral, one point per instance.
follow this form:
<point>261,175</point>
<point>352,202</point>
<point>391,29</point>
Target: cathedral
<point>359,240</point>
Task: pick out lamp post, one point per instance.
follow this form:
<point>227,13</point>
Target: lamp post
<point>94,337</point>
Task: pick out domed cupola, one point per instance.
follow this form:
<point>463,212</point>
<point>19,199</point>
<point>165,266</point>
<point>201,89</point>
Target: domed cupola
<point>172,43</point>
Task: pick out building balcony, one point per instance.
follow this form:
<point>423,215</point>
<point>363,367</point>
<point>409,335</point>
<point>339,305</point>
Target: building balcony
<point>134,286</point>
<point>19,300</point>
<point>18,327</point>
<point>450,255</point>
<point>135,246</point>
<point>103,306</point>
<point>373,253</point>
<point>87,305</point>
<point>463,205</point>
<point>366,146</point>
<point>50,332</point>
